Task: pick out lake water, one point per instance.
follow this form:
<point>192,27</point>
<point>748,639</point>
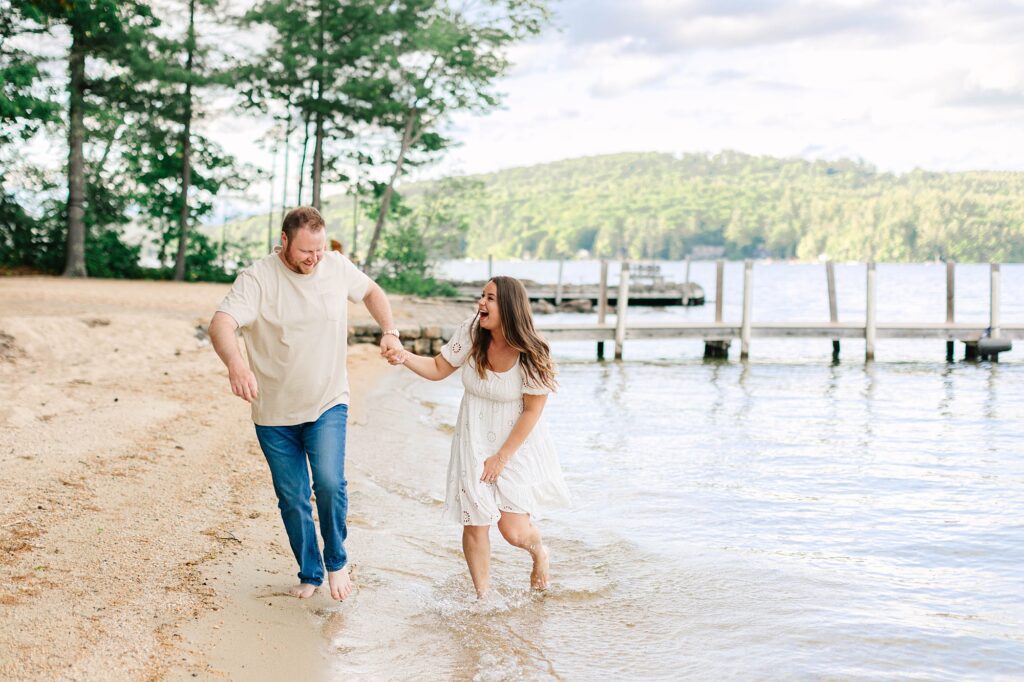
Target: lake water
<point>782,518</point>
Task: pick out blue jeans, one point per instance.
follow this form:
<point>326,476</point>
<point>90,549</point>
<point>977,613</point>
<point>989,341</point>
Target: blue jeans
<point>287,449</point>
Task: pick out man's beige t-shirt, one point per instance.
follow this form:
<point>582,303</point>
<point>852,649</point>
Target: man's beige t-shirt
<point>295,329</point>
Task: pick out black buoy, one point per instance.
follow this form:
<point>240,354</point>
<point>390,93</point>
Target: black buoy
<point>989,348</point>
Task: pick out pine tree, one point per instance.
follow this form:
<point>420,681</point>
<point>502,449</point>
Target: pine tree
<point>26,106</point>
<point>318,67</point>
<point>176,171</point>
<point>446,60</point>
<point>105,32</point>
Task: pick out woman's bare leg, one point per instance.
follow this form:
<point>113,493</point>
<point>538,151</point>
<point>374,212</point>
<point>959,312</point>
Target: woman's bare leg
<point>520,532</point>
<point>476,546</point>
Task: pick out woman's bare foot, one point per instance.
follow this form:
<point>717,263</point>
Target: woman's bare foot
<point>340,582</point>
<point>302,590</point>
<point>539,574</point>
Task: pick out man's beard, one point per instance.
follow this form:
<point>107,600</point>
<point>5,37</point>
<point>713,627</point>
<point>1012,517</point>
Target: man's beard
<point>296,264</point>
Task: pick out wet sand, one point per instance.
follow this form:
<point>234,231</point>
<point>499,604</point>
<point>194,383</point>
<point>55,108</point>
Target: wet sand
<point>139,535</point>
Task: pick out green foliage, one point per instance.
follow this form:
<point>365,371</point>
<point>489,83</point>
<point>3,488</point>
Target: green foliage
<point>405,266</point>
<point>23,239</point>
<point>39,244</point>
<point>322,66</point>
<point>203,263</point>
<point>448,58</point>
<point>662,206</point>
<point>26,104</point>
<point>431,228</point>
<point>107,255</point>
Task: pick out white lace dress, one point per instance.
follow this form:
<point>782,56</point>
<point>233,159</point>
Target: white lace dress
<point>532,480</point>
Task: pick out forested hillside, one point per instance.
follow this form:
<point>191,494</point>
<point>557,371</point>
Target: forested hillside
<point>662,206</point>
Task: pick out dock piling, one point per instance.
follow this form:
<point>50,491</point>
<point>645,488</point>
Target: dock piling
<point>993,307</point>
<point>719,293</point>
<point>558,289</point>
<point>950,305</point>
<point>602,305</point>
<point>748,291</point>
<point>717,348</point>
<point>869,316</point>
<point>833,312</point>
<point>620,309</point>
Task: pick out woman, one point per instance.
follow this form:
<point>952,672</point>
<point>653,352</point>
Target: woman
<point>503,467</point>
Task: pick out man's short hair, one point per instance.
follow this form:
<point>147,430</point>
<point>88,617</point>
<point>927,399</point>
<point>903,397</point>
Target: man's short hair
<point>302,217</point>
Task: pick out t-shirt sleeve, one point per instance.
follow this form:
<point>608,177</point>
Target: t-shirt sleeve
<point>243,301</point>
<point>457,350</point>
<point>356,281</point>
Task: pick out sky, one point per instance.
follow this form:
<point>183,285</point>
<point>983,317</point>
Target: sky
<point>898,84</point>
<point>901,85</point>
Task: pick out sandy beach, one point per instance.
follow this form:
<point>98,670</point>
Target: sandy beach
<point>139,535</point>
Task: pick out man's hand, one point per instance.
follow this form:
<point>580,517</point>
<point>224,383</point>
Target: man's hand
<point>388,345</point>
<point>243,381</point>
<point>493,466</point>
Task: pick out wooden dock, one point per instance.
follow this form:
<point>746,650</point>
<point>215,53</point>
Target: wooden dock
<point>648,288</point>
<point>980,340</point>
<point>685,294</point>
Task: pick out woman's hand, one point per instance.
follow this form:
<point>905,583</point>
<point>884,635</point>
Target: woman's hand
<point>397,356</point>
<point>493,466</point>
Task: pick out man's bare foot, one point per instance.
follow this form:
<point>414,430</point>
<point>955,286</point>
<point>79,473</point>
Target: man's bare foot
<point>340,582</point>
<point>302,590</point>
<point>539,574</point>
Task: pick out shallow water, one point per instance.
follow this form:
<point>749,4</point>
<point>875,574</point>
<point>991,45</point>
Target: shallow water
<point>783,518</point>
<point>779,521</point>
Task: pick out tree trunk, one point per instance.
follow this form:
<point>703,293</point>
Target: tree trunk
<point>385,203</point>
<point>186,149</point>
<point>270,206</point>
<point>318,160</point>
<point>284,184</point>
<point>302,162</point>
<point>318,148</point>
<point>75,258</point>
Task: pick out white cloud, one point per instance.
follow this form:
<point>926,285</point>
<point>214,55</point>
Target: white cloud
<point>900,84</point>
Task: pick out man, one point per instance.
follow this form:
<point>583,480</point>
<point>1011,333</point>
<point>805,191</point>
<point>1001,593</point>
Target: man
<point>292,311</point>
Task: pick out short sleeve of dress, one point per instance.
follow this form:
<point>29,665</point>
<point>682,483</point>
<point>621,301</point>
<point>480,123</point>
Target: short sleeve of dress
<point>532,387</point>
<point>457,350</point>
<point>243,301</point>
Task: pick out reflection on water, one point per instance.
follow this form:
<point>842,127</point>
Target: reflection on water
<point>768,520</point>
<point>802,520</point>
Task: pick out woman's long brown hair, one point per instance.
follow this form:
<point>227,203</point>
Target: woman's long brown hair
<point>517,325</point>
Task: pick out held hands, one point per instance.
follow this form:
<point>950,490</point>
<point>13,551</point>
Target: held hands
<point>243,382</point>
<point>391,347</point>
<point>396,357</point>
<point>493,466</point>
